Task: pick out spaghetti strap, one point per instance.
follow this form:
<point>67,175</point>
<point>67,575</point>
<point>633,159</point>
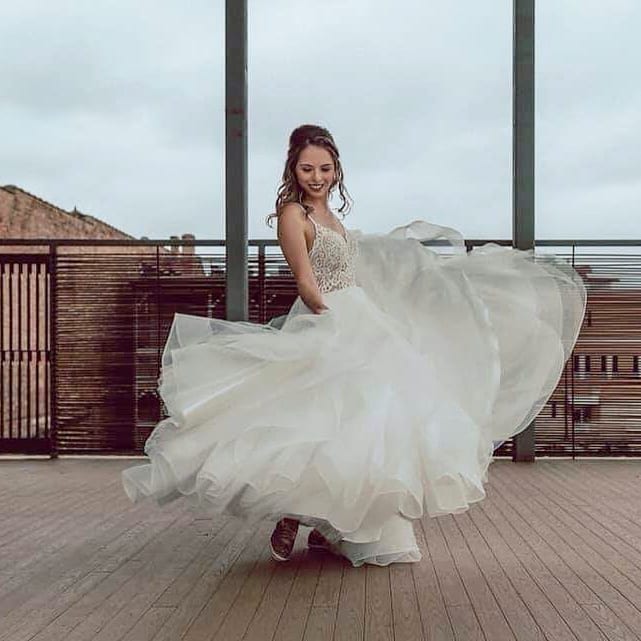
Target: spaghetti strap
<point>313,221</point>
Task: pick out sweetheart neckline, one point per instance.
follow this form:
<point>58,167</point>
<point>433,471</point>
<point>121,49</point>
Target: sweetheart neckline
<point>330,229</point>
<point>345,240</point>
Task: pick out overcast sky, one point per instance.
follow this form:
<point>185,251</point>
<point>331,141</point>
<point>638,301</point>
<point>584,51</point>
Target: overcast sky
<point>117,108</point>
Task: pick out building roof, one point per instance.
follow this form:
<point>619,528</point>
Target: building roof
<point>12,189</point>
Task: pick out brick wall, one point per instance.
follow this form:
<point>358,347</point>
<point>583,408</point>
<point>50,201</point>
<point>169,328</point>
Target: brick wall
<point>23,215</point>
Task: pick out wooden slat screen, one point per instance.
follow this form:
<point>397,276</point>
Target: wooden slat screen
<point>112,307</point>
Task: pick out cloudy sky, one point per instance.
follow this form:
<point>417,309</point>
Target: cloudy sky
<point>117,108</point>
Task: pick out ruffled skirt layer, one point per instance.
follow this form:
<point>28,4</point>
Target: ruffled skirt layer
<point>385,407</point>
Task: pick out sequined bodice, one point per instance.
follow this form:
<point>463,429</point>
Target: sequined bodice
<point>333,258</point>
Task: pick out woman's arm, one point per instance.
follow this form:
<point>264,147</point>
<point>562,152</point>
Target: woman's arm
<point>291,236</point>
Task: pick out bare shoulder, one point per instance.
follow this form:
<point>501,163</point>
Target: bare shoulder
<point>292,210</point>
<point>291,218</point>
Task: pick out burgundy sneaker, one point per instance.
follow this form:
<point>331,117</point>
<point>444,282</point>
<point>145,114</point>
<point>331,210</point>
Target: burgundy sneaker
<point>283,538</point>
<point>316,541</point>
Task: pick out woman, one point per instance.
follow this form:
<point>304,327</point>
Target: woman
<point>384,392</point>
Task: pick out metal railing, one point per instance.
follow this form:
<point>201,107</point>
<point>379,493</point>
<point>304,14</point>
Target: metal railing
<point>83,323</point>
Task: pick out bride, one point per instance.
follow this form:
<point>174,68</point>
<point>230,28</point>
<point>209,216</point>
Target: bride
<point>384,392</point>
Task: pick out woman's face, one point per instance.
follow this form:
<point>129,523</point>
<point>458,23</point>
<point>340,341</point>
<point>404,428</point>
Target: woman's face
<point>315,171</point>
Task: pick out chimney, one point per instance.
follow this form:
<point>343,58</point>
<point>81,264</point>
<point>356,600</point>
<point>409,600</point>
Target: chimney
<point>188,249</point>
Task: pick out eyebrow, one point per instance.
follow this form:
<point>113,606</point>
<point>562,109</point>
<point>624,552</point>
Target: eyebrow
<point>309,164</point>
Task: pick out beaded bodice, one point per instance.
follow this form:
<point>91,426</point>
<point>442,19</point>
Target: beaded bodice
<point>333,258</point>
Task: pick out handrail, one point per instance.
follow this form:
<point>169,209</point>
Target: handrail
<point>272,242</point>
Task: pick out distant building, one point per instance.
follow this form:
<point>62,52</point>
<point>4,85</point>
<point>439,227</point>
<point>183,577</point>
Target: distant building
<point>23,215</point>
<point>603,378</point>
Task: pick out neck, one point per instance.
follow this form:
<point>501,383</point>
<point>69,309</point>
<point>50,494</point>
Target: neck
<point>320,205</point>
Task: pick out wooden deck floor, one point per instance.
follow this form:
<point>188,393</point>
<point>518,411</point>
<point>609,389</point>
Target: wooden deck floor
<point>553,552</point>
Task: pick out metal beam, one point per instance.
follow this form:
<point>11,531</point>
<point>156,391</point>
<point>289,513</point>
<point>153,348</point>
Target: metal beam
<point>237,289</point>
<point>523,160</point>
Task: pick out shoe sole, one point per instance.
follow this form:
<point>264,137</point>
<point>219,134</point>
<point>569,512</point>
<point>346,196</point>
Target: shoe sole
<point>331,548</point>
<point>314,547</point>
<point>276,556</point>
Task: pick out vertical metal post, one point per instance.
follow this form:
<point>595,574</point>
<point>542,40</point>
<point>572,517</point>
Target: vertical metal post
<point>29,348</point>
<point>11,350</point>
<point>3,298</point>
<point>157,301</point>
<point>571,360</point>
<point>236,251</point>
<point>262,303</point>
<point>51,334</point>
<point>523,160</point>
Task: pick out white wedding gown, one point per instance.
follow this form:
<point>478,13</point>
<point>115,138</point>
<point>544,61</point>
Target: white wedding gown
<point>387,406</point>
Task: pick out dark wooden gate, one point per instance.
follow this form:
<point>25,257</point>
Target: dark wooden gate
<point>25,352</point>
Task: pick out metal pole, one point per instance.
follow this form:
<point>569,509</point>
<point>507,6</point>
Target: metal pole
<point>236,252</point>
<point>51,336</point>
<point>523,161</point>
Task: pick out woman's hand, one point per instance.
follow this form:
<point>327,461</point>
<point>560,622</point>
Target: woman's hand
<point>311,296</point>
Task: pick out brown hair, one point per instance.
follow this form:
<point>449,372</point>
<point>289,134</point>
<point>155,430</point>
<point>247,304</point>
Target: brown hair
<point>290,190</point>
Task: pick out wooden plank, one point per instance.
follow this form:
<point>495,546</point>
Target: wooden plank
<point>294,617</point>
<point>55,617</point>
<point>57,523</point>
<point>236,622</point>
<point>350,617</point>
<point>329,581</point>
<point>203,590</point>
<point>59,577</point>
<point>565,604</point>
<point>518,616</point>
<point>464,622</point>
<point>405,612</point>
<point>210,619</point>
<point>489,614</point>
<point>20,499</point>
<point>593,508</point>
<point>602,554</point>
<point>99,617</point>
<point>539,521</point>
<point>160,564</point>
<point>554,551</point>
<point>449,581</point>
<point>616,477</point>
<point>555,562</point>
<point>323,614</point>
<point>320,623</point>
<point>216,537</point>
<point>535,599</point>
<point>269,612</point>
<point>431,605</point>
<point>57,493</point>
<point>378,604</point>
<point>148,625</point>
<point>100,532</point>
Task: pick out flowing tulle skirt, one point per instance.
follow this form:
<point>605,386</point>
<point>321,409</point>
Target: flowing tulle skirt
<point>387,406</point>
